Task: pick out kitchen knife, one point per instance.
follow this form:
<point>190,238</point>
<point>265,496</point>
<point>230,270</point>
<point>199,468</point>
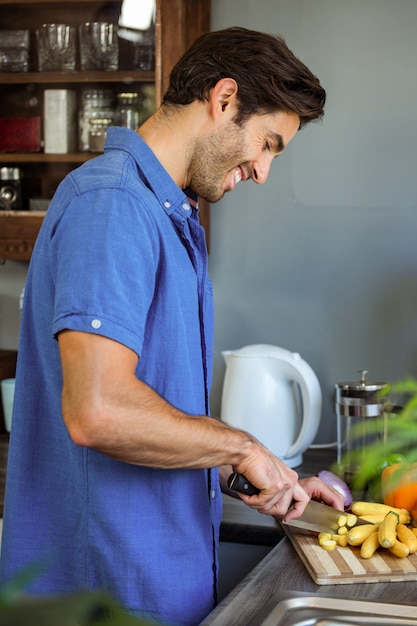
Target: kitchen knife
<point>316,517</point>
<point>237,482</point>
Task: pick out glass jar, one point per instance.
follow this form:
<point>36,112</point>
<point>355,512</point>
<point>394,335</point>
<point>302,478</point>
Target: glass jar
<point>127,110</point>
<point>95,103</point>
<point>98,133</point>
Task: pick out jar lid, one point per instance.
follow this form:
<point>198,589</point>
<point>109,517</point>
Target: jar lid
<point>100,121</point>
<point>128,94</point>
<point>97,93</point>
<point>362,386</point>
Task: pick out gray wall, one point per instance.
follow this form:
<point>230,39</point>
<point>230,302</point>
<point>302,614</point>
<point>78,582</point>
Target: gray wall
<point>322,259</point>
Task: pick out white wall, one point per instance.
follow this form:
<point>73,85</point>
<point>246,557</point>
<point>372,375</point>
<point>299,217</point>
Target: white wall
<point>322,259</point>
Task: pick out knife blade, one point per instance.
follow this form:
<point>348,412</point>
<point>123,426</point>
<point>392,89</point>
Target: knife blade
<point>316,517</point>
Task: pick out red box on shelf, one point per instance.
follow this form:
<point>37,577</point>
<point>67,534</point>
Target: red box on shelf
<point>20,134</point>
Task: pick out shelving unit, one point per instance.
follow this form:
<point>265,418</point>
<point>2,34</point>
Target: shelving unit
<point>178,23</point>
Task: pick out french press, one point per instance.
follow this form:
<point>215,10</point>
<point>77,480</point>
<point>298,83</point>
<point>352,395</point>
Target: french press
<point>361,409</point>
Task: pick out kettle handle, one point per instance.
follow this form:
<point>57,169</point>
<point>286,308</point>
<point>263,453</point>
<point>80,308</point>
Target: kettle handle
<point>311,397</point>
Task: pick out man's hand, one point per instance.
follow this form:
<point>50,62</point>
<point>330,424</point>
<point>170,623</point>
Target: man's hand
<point>277,483</point>
<point>316,489</point>
<point>285,491</point>
<point>320,491</point>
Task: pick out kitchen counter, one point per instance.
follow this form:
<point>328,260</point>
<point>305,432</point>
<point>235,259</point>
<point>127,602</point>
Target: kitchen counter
<point>282,569</point>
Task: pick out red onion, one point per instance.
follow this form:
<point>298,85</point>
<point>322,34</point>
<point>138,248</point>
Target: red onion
<point>337,483</point>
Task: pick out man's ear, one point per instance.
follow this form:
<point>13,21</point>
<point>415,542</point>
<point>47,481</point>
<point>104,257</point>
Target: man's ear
<point>223,96</point>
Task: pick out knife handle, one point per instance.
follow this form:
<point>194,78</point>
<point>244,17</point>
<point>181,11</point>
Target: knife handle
<point>237,482</point>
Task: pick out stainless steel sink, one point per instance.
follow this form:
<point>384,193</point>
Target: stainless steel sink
<point>288,608</point>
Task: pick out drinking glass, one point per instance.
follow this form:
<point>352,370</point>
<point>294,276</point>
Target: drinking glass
<point>56,47</point>
<point>99,47</point>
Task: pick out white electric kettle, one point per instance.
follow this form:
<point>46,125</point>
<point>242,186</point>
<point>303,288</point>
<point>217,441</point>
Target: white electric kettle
<point>273,394</point>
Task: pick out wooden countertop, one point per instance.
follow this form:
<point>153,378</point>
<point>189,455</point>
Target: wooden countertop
<point>282,570</point>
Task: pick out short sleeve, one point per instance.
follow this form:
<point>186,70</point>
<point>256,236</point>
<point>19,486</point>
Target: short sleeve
<point>104,261</point>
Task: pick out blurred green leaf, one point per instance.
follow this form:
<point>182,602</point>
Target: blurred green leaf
<point>15,589</point>
<point>82,609</point>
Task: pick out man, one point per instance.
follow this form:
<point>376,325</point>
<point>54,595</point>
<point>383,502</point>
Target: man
<point>113,479</point>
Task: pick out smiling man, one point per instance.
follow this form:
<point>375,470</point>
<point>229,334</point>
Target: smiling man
<point>115,465</point>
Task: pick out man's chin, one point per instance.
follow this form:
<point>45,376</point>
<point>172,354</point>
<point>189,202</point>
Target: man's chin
<point>213,199</point>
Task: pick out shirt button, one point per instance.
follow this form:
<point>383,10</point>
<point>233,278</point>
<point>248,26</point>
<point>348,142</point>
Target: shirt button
<point>186,206</point>
<point>212,494</point>
<point>96,324</point>
<point>167,204</point>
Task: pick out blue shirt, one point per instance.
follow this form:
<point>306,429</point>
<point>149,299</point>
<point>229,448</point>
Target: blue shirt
<point>121,253</point>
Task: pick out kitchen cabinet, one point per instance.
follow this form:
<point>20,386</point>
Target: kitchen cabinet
<point>177,24</point>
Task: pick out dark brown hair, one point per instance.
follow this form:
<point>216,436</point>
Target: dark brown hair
<point>269,76</point>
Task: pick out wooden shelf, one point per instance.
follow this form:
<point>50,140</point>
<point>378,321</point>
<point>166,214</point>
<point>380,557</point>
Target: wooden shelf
<point>18,232</point>
<point>122,76</point>
<point>41,157</point>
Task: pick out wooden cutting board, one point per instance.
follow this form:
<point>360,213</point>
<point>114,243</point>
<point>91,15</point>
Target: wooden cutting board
<point>345,566</point>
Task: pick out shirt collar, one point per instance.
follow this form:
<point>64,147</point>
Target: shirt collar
<point>170,196</point>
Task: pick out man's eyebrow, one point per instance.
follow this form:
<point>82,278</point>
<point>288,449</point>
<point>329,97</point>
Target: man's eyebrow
<point>278,141</point>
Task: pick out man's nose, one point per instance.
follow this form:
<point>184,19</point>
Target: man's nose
<point>260,172</point>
